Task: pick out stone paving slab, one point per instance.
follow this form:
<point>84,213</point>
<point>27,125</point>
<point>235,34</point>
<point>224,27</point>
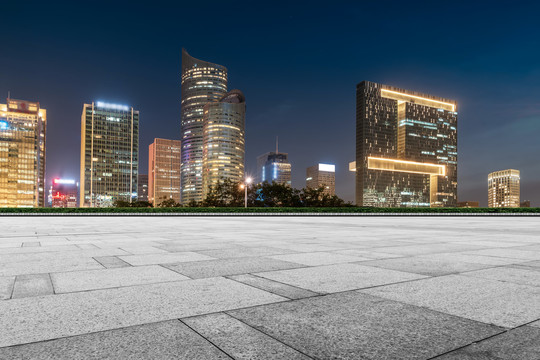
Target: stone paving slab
<point>353,325</point>
<point>167,258</point>
<point>6,286</point>
<point>425,266</point>
<point>111,278</point>
<point>41,318</point>
<point>340,277</point>
<point>241,341</point>
<point>489,301</point>
<point>32,285</point>
<point>518,344</point>
<point>163,340</point>
<point>318,258</point>
<point>243,251</point>
<point>287,291</point>
<point>513,275</point>
<point>111,262</point>
<point>233,266</point>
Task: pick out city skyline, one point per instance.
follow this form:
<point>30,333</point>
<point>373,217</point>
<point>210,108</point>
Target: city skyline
<point>489,112</point>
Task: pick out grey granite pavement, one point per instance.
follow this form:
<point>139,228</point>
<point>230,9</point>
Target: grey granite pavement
<point>156,287</point>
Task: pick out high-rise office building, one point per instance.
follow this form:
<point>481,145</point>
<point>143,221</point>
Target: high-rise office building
<point>525,204</point>
<point>64,193</point>
<point>322,175</point>
<point>274,167</point>
<point>503,188</point>
<point>406,148</point>
<point>142,187</point>
<point>23,128</point>
<point>164,171</point>
<point>223,140</point>
<point>202,82</point>
<point>468,204</point>
<point>109,154</point>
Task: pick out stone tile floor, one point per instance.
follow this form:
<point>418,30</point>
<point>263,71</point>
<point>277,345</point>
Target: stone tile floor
<point>270,288</point>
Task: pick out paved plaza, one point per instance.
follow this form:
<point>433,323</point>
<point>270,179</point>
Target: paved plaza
<point>271,287</point>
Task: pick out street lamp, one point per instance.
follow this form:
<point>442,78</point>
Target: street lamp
<point>244,186</point>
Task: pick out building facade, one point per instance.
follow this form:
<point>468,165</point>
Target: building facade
<point>23,130</point>
<point>525,204</point>
<point>224,140</point>
<point>142,187</point>
<point>503,188</point>
<point>406,148</point>
<point>468,204</point>
<point>202,82</point>
<point>164,163</point>
<point>322,175</point>
<point>64,193</point>
<point>274,167</point>
<point>109,154</point>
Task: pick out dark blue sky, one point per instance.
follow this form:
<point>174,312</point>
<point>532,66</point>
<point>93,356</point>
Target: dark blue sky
<point>298,65</point>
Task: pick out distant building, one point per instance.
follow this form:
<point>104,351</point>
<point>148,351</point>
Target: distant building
<point>202,82</point>
<point>274,166</point>
<point>322,175</point>
<point>224,140</point>
<point>406,148</point>
<point>164,171</point>
<point>23,128</point>
<point>468,204</point>
<point>109,154</point>
<point>64,193</point>
<point>525,204</point>
<point>503,188</point>
<point>142,187</point>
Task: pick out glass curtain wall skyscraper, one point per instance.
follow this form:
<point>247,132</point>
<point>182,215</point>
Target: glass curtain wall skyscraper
<point>406,148</point>
<point>23,126</point>
<point>274,167</point>
<point>223,140</point>
<point>322,175</point>
<point>109,154</point>
<point>202,82</point>
<point>503,188</point>
<point>164,171</point>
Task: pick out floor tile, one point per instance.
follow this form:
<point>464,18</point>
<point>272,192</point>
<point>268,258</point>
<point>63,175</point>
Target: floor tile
<point>32,285</point>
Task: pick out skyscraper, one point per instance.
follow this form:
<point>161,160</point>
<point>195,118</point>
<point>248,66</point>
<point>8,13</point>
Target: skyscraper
<point>406,148</point>
<point>23,128</point>
<point>142,187</point>
<point>202,82</point>
<point>274,166</point>
<point>109,154</point>
<point>64,193</point>
<point>223,140</point>
<point>322,175</point>
<point>164,171</point>
<point>503,188</point>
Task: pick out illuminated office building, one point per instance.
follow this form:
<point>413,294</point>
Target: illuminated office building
<point>23,126</point>
<point>109,154</point>
<point>503,188</point>
<point>64,193</point>
<point>468,204</point>
<point>406,148</point>
<point>223,140</point>
<point>525,204</point>
<point>164,171</point>
<point>202,82</point>
<point>274,167</point>
<point>322,175</point>
<point>142,187</point>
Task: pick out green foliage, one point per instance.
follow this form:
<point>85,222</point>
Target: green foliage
<point>137,204</point>
<point>169,203</point>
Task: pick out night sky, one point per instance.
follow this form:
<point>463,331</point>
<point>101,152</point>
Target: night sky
<point>298,65</point>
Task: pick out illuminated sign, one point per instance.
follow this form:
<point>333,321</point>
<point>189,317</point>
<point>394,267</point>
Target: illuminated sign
<point>405,166</point>
<point>327,167</point>
<point>104,105</point>
<point>4,125</point>
<point>64,181</point>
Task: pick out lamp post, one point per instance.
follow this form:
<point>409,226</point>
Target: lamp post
<point>247,181</point>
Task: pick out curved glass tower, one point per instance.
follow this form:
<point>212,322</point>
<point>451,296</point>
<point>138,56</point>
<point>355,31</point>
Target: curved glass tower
<point>202,82</point>
<point>223,140</point>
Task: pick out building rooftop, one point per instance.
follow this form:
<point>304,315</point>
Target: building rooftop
<point>294,287</point>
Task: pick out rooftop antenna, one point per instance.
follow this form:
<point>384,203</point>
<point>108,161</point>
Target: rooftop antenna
<point>9,94</point>
<point>277,137</point>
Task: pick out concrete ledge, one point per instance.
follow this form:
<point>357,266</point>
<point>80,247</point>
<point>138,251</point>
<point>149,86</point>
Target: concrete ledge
<point>269,214</point>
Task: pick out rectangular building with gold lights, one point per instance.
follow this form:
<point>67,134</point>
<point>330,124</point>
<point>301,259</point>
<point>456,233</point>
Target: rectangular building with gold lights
<point>23,126</point>
<point>503,188</point>
<point>406,148</point>
<point>109,154</point>
<point>164,171</point>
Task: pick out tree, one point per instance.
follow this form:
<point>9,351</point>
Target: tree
<point>169,203</point>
